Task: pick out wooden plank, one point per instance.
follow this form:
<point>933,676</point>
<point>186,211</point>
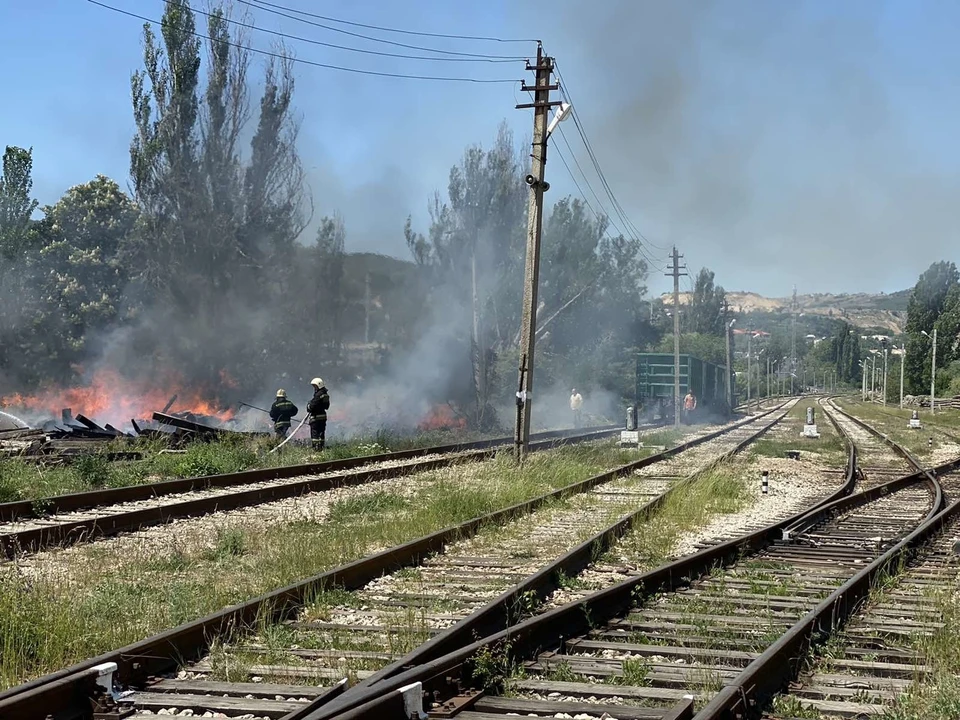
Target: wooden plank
<point>237,689</point>
<point>309,672</point>
<point>664,650</point>
<point>884,669</point>
<point>211,703</point>
<point>599,690</point>
<point>524,706</point>
<point>844,709</point>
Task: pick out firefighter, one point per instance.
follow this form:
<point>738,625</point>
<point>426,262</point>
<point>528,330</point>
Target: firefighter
<point>317,407</point>
<point>576,402</point>
<point>281,412</point>
<point>689,405</point>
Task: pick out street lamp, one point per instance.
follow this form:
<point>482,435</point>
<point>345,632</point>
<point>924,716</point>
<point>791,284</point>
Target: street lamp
<point>933,370</point>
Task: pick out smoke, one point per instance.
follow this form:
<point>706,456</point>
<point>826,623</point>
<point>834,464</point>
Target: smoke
<point>551,408</point>
<point>774,143</point>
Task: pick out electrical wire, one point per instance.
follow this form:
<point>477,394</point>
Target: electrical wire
<point>565,92</point>
<point>395,30</point>
<point>379,53</point>
<point>263,7</point>
<point>313,63</point>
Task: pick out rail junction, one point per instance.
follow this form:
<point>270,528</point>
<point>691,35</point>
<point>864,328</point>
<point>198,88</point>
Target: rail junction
<point>715,634</point>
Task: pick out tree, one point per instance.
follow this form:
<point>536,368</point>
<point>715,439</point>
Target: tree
<point>706,311</point>
<point>213,227</point>
<point>926,306</point>
<point>16,205</point>
<point>472,256</point>
<point>80,276</point>
<point>16,209</point>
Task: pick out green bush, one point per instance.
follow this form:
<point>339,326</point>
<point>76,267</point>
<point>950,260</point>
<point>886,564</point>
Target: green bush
<point>93,470</point>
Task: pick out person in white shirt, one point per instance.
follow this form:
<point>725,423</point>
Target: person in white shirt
<point>576,402</point>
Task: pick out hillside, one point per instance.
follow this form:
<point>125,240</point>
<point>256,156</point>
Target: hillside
<point>864,310</point>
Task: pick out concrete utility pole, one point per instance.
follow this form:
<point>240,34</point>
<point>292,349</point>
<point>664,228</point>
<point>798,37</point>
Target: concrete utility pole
<point>793,337</point>
<point>768,377</point>
<point>729,328</point>
<point>531,272</point>
<point>903,360</point>
<point>885,351</point>
<point>933,371</point>
<point>676,274</point>
<point>863,380</point>
<point>749,376</point>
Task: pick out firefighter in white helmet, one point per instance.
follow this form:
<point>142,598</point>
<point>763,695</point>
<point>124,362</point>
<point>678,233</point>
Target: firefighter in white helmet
<point>576,403</point>
<point>317,407</point>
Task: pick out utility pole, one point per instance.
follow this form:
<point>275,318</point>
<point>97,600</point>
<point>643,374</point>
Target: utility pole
<point>749,377</point>
<point>675,272</point>
<point>903,360</point>
<point>885,351</point>
<point>793,337</point>
<point>728,326</point>
<point>768,377</point>
<point>531,272</point>
<point>366,307</point>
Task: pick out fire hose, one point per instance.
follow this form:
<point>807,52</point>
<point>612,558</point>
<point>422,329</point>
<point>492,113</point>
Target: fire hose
<point>290,436</point>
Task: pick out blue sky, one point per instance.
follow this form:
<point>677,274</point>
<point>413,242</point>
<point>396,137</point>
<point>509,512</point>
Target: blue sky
<point>807,143</point>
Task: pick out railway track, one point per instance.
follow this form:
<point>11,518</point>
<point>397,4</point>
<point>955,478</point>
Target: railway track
<point>879,655</point>
<point>667,641</point>
<point>59,521</point>
<point>886,460</point>
<point>479,607</point>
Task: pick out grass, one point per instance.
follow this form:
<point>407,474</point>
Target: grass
<point>892,421</point>
<point>828,449</point>
<point>22,480</point>
<point>937,696</point>
<point>69,606</point>
<point>693,503</point>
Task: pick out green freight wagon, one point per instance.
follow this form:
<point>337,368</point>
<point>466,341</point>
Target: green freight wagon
<point>654,393</point>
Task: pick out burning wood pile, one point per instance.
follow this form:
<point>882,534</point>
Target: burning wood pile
<point>60,441</point>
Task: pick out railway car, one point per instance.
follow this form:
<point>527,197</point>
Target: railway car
<point>654,390</point>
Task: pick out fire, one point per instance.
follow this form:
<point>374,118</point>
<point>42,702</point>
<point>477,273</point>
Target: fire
<point>442,417</point>
<point>108,397</point>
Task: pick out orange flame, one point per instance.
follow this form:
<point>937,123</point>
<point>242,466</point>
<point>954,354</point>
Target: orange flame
<point>109,397</point>
<point>442,417</point>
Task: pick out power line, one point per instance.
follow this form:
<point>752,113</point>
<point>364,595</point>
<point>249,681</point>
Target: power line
<point>376,39</point>
<point>651,261</point>
<point>396,30</point>
<point>313,63</point>
<point>586,141</point>
<point>353,49</point>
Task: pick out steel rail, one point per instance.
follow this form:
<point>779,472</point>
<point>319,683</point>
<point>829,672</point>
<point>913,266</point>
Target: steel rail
<point>73,686</point>
<point>444,676</point>
<point>499,614</point>
<point>70,502</point>
<point>72,532</point>
<point>781,662</point>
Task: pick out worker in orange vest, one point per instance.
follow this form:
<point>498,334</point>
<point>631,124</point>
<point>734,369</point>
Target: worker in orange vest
<point>689,405</point>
